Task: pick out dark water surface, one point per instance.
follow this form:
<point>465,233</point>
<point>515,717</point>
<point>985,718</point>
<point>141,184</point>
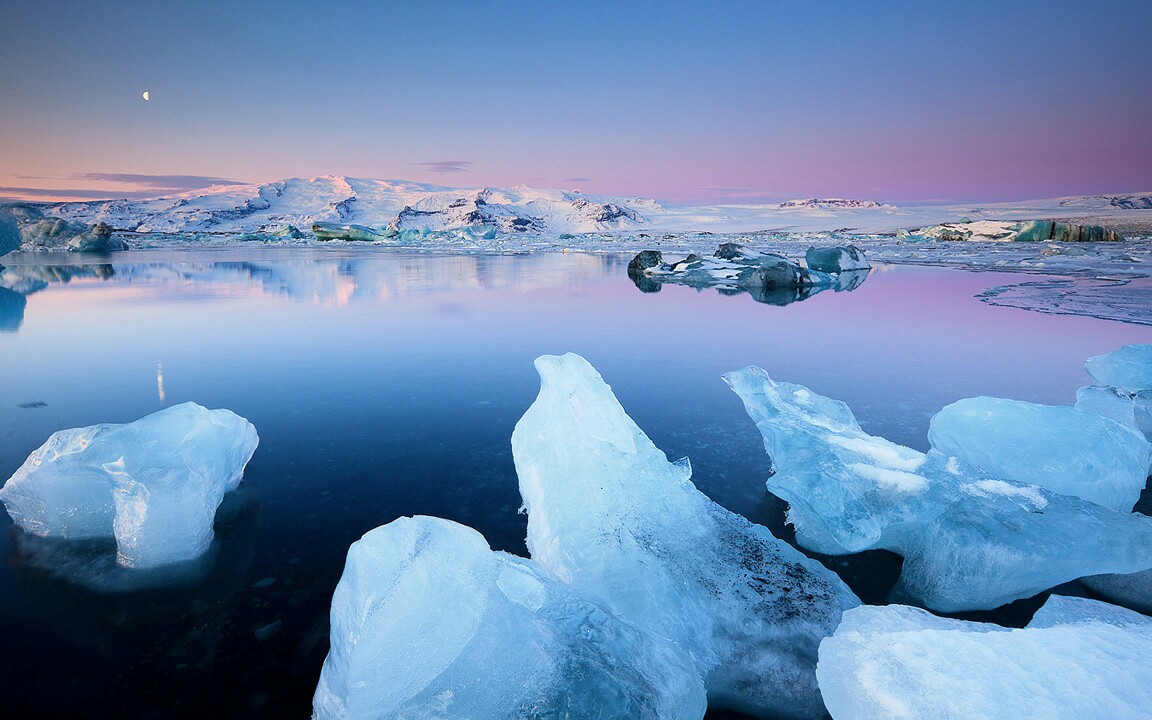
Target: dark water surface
<point>385,384</point>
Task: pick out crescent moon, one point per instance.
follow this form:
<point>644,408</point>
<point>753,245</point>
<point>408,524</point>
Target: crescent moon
<point>146,95</point>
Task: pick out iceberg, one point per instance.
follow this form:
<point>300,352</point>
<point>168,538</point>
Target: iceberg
<point>1077,659</point>
<point>1133,409</point>
<point>610,515</point>
<point>767,277</point>
<point>429,622</point>
<point>1063,449</point>
<point>970,540</point>
<point>836,259</point>
<point>1127,369</point>
<point>153,484</point>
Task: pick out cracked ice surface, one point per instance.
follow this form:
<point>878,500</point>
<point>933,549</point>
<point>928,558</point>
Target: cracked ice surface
<point>1077,659</point>
<point>608,513</point>
<point>153,484</point>
<point>429,622</point>
<point>969,540</point>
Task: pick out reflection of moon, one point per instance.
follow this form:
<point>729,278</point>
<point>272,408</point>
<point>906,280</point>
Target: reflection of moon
<point>146,95</point>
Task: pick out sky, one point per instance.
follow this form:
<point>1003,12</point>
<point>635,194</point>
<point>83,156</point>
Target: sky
<point>695,102</point>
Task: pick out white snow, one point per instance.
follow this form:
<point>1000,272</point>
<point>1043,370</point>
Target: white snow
<point>379,203</point>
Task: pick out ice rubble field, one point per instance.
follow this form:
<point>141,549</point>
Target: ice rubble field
<point>644,599</point>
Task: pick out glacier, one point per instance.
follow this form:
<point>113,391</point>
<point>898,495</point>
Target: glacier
<point>611,516</point>
<point>428,622</point>
<point>1076,659</point>
<point>154,484</point>
<point>1064,449</point>
<point>970,540</point>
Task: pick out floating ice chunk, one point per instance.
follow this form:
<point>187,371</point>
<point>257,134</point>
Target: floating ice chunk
<point>608,513</point>
<point>428,622</point>
<point>1129,368</point>
<point>836,259</point>
<point>1133,409</point>
<point>969,540</point>
<point>1063,449</point>
<point>1077,659</point>
<point>153,484</point>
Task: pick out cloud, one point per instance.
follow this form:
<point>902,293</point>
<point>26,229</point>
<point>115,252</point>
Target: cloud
<point>159,182</point>
<point>140,186</point>
<point>25,193</point>
<point>447,166</point>
<point>575,179</point>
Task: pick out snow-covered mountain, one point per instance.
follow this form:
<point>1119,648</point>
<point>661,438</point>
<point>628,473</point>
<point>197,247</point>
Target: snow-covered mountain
<point>394,204</point>
<point>830,203</point>
<point>400,205</point>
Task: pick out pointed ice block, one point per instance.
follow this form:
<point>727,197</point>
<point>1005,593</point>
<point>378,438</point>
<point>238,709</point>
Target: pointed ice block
<point>428,622</point>
<point>608,513</point>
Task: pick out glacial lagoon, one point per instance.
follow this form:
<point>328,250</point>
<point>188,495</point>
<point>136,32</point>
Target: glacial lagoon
<point>386,384</point>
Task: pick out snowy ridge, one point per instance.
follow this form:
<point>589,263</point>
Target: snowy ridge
<point>401,205</point>
<point>398,205</point>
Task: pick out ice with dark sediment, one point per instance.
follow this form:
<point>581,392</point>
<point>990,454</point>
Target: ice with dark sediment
<point>609,514</point>
<point>154,484</point>
<point>1077,659</point>
<point>970,540</point>
<point>428,622</point>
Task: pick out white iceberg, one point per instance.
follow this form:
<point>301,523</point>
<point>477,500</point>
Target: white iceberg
<point>429,622</point>
<point>608,513</point>
<point>969,540</point>
<point>153,484</point>
<point>1077,659</point>
<point>1064,449</point>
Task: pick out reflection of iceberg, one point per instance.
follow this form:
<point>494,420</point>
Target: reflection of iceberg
<point>92,563</point>
<point>969,540</point>
<point>767,277</point>
<point>11,310</point>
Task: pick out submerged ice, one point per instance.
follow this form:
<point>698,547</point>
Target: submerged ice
<point>970,540</point>
<point>429,622</point>
<point>153,484</point>
<point>1077,659</point>
<point>609,514</point>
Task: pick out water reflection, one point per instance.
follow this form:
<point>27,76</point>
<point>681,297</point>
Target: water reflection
<point>91,564</point>
<point>324,280</point>
<point>12,306</point>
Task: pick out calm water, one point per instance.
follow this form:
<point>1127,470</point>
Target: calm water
<point>385,385</point>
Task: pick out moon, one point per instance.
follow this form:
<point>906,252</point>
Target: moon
<point>146,97</point>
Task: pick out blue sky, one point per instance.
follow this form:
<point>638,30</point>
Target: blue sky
<point>896,101</point>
